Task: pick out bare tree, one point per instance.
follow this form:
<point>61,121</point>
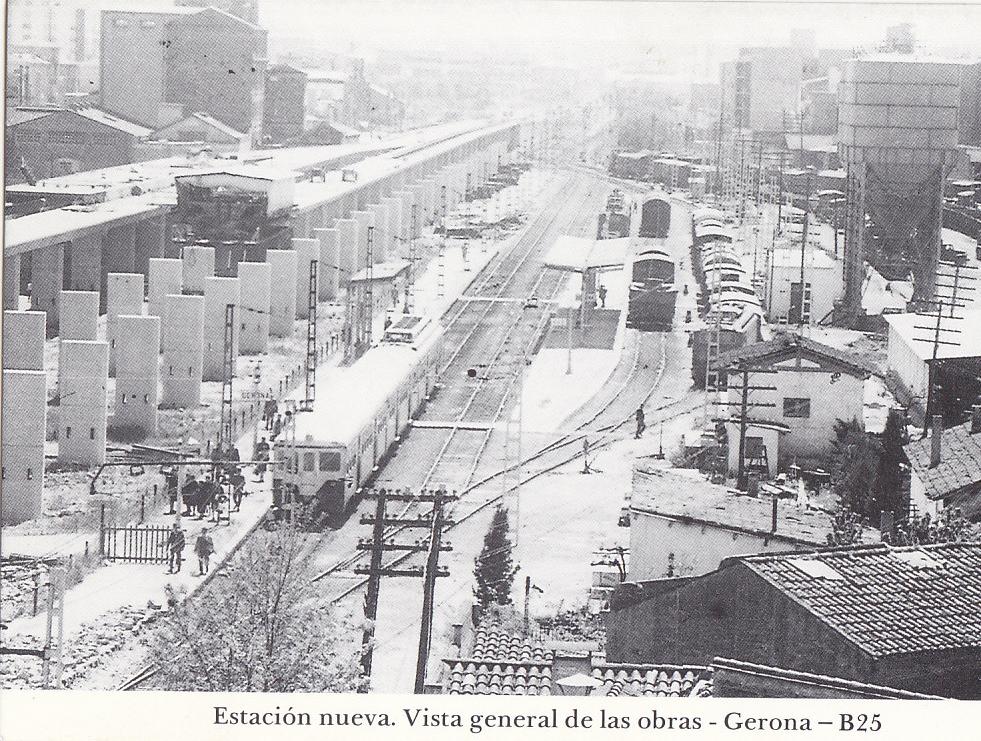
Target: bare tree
<point>263,628</point>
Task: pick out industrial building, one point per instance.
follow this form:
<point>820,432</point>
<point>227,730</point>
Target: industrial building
<point>897,136</point>
<point>284,111</point>
<point>155,66</point>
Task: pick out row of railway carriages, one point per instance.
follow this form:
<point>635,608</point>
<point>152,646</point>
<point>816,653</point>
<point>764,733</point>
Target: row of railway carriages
<point>653,282</point>
<point>730,311</point>
<point>334,449</point>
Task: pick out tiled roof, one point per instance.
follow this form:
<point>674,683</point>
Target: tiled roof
<point>784,345</point>
<point>500,663</point>
<point>886,600</point>
<point>685,495</point>
<point>960,462</point>
<point>473,678</point>
<point>496,645</point>
<point>651,681</point>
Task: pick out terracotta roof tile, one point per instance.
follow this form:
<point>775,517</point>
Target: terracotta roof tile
<point>759,354</point>
<point>960,461</point>
<point>500,663</point>
<point>650,681</point>
<point>886,600</point>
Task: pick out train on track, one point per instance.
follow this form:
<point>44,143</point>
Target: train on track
<point>653,293</point>
<point>360,414</point>
<point>731,312</point>
<point>655,217</point>
<point>614,222</point>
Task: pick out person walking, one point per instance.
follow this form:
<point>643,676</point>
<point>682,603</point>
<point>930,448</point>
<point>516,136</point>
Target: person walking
<point>641,424</point>
<point>602,296</point>
<point>204,546</point>
<point>175,549</point>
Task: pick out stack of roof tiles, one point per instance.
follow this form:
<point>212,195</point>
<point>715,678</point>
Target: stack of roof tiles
<point>651,681</point>
<point>501,664</point>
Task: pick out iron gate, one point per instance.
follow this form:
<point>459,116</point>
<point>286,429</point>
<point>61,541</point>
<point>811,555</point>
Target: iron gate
<point>139,544</point>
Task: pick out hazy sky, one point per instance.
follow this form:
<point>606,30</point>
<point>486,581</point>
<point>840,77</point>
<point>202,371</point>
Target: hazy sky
<point>534,24</point>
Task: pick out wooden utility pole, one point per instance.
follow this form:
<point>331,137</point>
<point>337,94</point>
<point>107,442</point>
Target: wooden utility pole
<point>435,521</point>
<point>803,248</point>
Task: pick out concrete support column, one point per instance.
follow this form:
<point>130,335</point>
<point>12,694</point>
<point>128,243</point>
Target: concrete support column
<point>348,241</point>
<point>183,356</point>
<point>119,249</point>
<point>254,287</point>
<point>85,263</point>
<point>282,302</point>
<point>394,204</point>
<point>11,282</point>
<point>382,239</point>
<point>198,264</point>
<point>137,376</point>
<point>23,410</point>
<point>364,220</point>
<point>307,251</point>
<point>83,370</point>
<point>23,340</point>
<point>166,276</point>
<point>124,296</point>
<point>150,237</point>
<point>218,293</point>
<point>329,263</point>
<point>47,276</point>
<point>79,315</point>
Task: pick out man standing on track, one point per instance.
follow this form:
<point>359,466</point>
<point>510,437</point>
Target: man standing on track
<point>641,424</point>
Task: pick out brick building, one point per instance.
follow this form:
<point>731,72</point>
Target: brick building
<point>900,617</point>
<point>284,105</point>
<point>59,141</point>
<point>155,65</point>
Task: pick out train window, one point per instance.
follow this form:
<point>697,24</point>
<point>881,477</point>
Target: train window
<point>330,460</point>
<point>308,461</point>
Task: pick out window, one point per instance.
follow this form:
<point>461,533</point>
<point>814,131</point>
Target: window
<point>793,407</point>
<point>330,460</point>
<point>68,432</point>
<point>146,398</point>
<point>190,370</point>
<point>170,370</point>
<point>91,433</point>
<point>30,474</point>
<point>3,472</point>
<point>124,398</point>
<point>308,458</point>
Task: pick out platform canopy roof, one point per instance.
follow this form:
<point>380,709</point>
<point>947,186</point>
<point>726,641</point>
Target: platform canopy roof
<point>579,253</point>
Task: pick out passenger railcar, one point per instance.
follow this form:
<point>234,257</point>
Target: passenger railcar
<point>361,412</point>
<point>655,217</point>
<point>653,292</point>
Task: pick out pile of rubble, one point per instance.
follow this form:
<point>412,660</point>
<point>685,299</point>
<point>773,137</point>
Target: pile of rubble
<point>19,579</point>
<point>83,652</point>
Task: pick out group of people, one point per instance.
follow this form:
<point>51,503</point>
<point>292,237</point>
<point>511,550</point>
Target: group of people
<point>204,546</point>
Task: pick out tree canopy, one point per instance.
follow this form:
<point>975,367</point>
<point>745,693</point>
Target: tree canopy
<point>493,568</point>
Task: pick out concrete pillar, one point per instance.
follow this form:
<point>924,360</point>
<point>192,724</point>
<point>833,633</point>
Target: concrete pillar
<point>218,293</point>
<point>198,263</point>
<point>329,262</point>
<point>11,282</point>
<point>364,219</point>
<point>166,276</point>
<point>47,275</point>
<point>382,238</point>
<point>407,197</point>
<point>23,340</point>
<point>150,237</point>
<point>79,315</point>
<point>253,322</point>
<point>347,248</point>
<point>183,355</point>
<point>282,302</point>
<point>23,409</point>
<point>307,251</point>
<point>394,204</point>
<point>137,376</point>
<point>124,295</point>
<point>85,263</point>
<point>83,370</point>
<point>119,249</point>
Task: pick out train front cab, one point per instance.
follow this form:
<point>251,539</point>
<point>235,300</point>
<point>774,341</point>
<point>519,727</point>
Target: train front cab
<point>321,487</point>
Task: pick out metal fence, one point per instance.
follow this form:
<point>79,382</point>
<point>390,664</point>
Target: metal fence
<point>137,544</point>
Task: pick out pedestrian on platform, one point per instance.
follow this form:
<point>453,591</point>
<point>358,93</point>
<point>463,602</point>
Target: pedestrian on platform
<point>204,546</point>
<point>175,549</point>
<point>641,424</point>
<point>602,296</point>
